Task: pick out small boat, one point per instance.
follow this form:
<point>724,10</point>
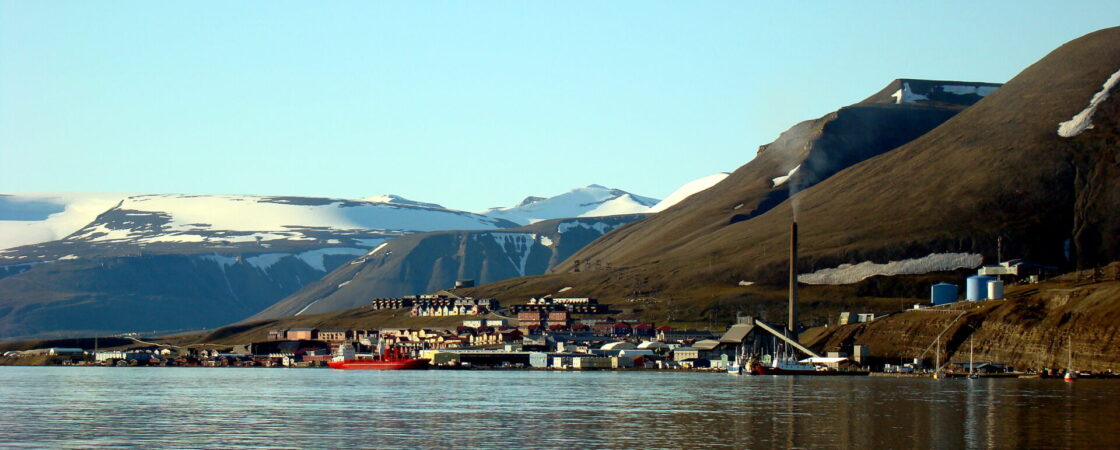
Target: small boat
<point>788,367</point>
<point>791,367</point>
<point>740,365</point>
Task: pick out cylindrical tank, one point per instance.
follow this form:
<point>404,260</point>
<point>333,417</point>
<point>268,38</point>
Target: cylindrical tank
<point>995,290</point>
<point>976,287</point>
<point>942,293</point>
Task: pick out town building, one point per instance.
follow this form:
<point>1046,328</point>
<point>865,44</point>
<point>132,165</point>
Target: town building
<point>671,335</point>
<point>301,333</point>
<point>580,305</point>
<point>488,323</point>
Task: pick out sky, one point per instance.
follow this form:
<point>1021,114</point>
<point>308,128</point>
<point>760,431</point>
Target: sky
<point>466,104</point>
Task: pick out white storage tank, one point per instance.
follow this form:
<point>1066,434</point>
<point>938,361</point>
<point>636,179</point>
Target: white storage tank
<point>995,290</point>
<point>976,287</point>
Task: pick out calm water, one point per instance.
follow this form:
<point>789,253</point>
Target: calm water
<point>210,407</point>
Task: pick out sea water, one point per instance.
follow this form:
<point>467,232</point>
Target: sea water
<point>257,407</point>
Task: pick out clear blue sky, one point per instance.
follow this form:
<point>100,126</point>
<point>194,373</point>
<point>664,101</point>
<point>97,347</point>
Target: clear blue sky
<point>467,104</point>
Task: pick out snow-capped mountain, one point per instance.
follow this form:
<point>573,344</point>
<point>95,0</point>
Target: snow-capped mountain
<point>177,223</point>
<point>103,263</point>
<point>111,263</point>
<point>589,201</point>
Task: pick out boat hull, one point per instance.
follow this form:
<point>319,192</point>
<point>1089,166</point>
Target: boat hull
<point>374,364</point>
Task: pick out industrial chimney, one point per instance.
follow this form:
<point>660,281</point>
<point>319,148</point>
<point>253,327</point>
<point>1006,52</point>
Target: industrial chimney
<point>792,327</point>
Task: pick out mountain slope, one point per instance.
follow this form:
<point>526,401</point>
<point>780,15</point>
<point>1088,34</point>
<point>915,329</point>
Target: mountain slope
<point>428,262</point>
<point>802,156</point>
<point>996,172</point>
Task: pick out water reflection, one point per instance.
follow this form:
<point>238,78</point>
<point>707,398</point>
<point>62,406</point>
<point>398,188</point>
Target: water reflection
<point>181,407</point>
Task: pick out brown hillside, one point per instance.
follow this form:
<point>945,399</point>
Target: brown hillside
<point>1029,330</point>
<point>996,170</point>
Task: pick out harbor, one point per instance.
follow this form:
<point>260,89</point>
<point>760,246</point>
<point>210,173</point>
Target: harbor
<point>579,334</point>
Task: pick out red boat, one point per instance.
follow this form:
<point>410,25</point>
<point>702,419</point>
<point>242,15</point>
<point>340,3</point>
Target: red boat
<point>380,364</point>
<point>390,359</point>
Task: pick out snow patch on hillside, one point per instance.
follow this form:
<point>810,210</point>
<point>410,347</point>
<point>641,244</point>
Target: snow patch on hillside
<point>222,260</point>
<point>905,95</point>
<point>36,217</point>
<point>782,179</point>
<point>378,248</point>
<point>176,237</point>
<point>517,247</point>
<point>265,261</point>
<point>314,258</point>
<point>100,232</point>
<point>546,241</point>
<point>396,199</point>
<point>625,204</point>
<point>1083,120</point>
<point>602,228</point>
<point>687,190</point>
<point>271,214</point>
<point>852,273</point>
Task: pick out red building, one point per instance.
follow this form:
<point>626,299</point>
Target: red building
<point>644,330</point>
<point>527,319</point>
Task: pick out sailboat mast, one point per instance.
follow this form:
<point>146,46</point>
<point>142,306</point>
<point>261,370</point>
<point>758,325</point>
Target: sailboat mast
<point>937,357</point>
<point>791,327</point>
<point>971,363</point>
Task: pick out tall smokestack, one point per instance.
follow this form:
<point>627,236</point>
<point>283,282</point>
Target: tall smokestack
<point>792,327</point>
